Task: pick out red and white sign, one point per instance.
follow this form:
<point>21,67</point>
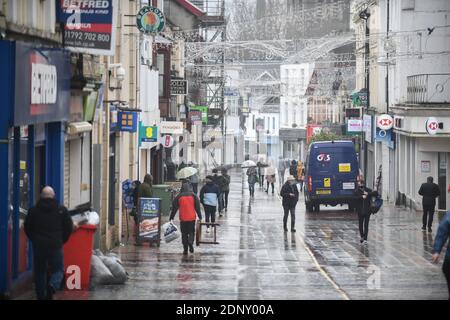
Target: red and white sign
<point>385,122</point>
<point>432,126</point>
<point>354,125</point>
<point>167,141</point>
<point>323,157</point>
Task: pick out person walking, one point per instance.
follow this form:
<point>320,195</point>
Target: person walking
<point>209,198</point>
<point>442,236</point>
<point>219,181</point>
<point>289,193</point>
<point>260,167</point>
<point>429,191</point>
<point>271,179</point>
<point>145,190</point>
<point>225,188</point>
<point>188,205</point>
<point>48,225</point>
<point>301,179</point>
<point>194,179</point>
<point>281,169</point>
<point>364,195</point>
<point>293,169</point>
<point>252,178</point>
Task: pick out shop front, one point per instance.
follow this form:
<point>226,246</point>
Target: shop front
<point>35,90</point>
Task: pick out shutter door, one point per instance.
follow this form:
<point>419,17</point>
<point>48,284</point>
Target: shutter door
<point>66,173</point>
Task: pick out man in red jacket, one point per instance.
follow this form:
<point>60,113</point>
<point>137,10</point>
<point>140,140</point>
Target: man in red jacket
<point>189,206</point>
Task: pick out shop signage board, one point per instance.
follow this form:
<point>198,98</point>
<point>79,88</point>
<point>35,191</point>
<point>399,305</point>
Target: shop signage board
<point>292,134</point>
<point>353,112</point>
<point>385,122</point>
<point>150,20</point>
<point>195,116</point>
<point>150,220</point>
<point>425,166</point>
<point>167,141</point>
<point>171,127</point>
<point>432,126</point>
<point>148,133</point>
<point>354,125</point>
<point>203,110</point>
<point>178,87</point>
<point>42,85</point>
<point>127,121</point>
<point>89,26</point>
<point>368,128</point>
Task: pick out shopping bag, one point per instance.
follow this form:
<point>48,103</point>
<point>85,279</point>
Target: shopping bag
<point>375,204</point>
<point>170,232</point>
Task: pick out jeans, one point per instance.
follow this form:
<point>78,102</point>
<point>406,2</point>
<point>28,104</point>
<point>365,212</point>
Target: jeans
<point>286,215</point>
<point>210,213</point>
<point>428,213</point>
<point>261,180</point>
<point>251,188</point>
<point>43,259</point>
<point>221,202</point>
<point>195,187</point>
<point>225,198</point>
<point>281,176</point>
<point>363,224</point>
<point>446,270</point>
<point>273,186</point>
<point>187,234</point>
<point>301,183</point>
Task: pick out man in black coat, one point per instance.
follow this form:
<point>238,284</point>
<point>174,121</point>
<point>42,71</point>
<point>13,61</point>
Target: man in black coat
<point>289,193</point>
<point>48,225</point>
<point>363,206</point>
<point>430,191</point>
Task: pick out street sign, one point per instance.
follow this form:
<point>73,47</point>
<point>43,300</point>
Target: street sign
<point>432,125</point>
<point>171,127</point>
<point>385,122</point>
<point>178,87</point>
<point>148,134</point>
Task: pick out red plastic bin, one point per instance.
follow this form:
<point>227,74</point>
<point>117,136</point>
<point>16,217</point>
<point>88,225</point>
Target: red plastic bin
<point>78,252</point>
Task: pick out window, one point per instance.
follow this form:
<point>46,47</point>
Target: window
<point>160,65</point>
<point>273,123</point>
<point>253,122</point>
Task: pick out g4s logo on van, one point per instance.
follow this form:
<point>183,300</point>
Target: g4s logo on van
<point>323,157</point>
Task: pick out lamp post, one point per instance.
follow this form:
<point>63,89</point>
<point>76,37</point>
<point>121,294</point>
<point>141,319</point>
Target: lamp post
<point>364,15</point>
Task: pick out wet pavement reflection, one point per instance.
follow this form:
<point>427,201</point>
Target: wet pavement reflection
<point>256,259</point>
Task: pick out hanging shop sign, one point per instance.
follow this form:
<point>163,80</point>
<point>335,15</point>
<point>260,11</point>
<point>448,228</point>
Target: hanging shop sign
<point>149,219</point>
<point>42,85</point>
<point>178,87</point>
<point>89,26</point>
<point>354,125</point>
<point>167,141</point>
<point>432,126</point>
<point>195,116</point>
<point>368,127</point>
<point>385,122</point>
<point>127,121</point>
<point>150,20</point>
<point>113,118</point>
<point>353,113</point>
<point>171,127</point>
<point>148,134</point>
<point>203,110</point>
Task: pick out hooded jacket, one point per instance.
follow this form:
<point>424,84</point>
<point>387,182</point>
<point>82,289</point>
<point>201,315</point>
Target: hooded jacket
<point>145,190</point>
<point>48,225</point>
<point>209,194</point>
<point>442,237</point>
<point>288,200</point>
<point>187,203</point>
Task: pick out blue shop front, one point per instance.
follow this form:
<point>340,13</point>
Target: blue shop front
<point>34,105</point>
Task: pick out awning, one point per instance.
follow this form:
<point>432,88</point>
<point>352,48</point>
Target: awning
<point>79,127</point>
<point>162,40</point>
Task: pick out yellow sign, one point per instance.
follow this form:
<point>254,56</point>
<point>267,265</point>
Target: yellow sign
<point>323,191</point>
<point>23,165</point>
<point>327,183</point>
<point>345,167</point>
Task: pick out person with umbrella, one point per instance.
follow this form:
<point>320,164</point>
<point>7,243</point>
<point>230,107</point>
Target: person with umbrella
<point>270,178</point>
<point>252,176</point>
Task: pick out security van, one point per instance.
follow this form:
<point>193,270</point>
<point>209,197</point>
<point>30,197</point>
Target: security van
<point>331,173</point>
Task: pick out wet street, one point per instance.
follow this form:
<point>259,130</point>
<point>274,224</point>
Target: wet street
<point>257,260</point>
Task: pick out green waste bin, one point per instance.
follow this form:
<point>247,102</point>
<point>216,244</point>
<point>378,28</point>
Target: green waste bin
<point>162,191</point>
